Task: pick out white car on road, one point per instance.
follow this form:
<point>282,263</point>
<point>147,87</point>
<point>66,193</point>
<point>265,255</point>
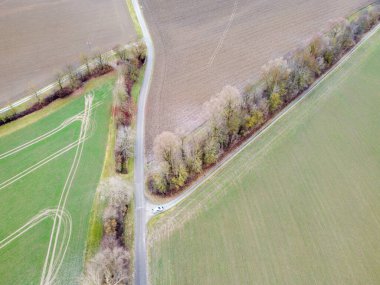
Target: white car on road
<point>158,209</point>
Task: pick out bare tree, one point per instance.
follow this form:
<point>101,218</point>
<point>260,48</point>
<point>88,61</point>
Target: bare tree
<point>34,91</point>
<point>116,191</point>
<point>100,60</point>
<point>73,79</point>
<point>158,178</point>
<point>275,74</point>
<point>193,153</point>
<point>85,60</point>
<point>167,149</point>
<point>121,108</point>
<point>139,51</point>
<point>124,146</point>
<point>108,267</point>
<point>211,151</point>
<point>121,53</point>
<point>341,37</point>
<point>59,78</point>
<point>223,113</point>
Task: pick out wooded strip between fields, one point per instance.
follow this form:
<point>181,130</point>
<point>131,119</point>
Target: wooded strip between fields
<point>232,116</point>
<point>71,80</point>
<point>112,262</point>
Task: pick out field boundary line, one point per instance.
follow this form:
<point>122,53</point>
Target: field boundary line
<point>34,221</point>
<point>219,166</point>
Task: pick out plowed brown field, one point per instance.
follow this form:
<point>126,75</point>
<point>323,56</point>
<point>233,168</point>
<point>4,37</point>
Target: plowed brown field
<point>40,37</point>
<point>202,45</point>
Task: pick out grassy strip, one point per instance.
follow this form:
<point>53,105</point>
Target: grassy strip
<point>137,86</point>
<point>134,19</point>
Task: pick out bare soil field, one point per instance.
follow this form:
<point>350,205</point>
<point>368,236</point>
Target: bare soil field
<point>203,45</point>
<point>40,37</point>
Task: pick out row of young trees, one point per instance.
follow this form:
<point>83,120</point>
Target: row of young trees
<point>232,116</point>
<point>67,82</point>
<point>110,265</point>
<point>70,79</point>
<point>129,63</point>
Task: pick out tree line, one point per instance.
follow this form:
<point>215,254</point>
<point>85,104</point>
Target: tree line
<point>68,81</point>
<point>232,115</point>
<point>129,63</point>
<point>111,264</point>
<point>71,79</point>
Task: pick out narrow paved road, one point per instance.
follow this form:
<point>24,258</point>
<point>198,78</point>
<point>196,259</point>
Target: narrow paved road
<point>141,272</point>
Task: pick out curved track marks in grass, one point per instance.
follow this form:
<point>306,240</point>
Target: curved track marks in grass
<point>62,223</point>
<point>53,260</point>
<point>64,124</point>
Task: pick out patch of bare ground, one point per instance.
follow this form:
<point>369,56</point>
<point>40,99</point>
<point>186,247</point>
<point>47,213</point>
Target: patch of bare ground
<point>203,45</point>
<point>41,37</point>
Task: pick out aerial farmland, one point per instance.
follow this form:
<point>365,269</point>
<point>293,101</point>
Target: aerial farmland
<point>202,46</point>
<point>189,142</point>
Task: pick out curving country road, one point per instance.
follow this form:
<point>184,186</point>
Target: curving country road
<point>141,272</point>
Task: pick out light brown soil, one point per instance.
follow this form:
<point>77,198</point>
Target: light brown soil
<point>202,45</point>
<point>39,38</point>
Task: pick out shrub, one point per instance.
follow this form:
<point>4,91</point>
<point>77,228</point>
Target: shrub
<point>275,74</point>
<point>139,51</point>
<point>211,151</point>
<point>275,102</point>
<point>193,153</point>
<point>108,267</point>
<point>124,147</point>
<point>179,177</point>
<point>159,184</point>
<point>254,120</point>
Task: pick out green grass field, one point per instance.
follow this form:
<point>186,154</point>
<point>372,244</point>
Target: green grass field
<point>22,260</point>
<point>300,205</point>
